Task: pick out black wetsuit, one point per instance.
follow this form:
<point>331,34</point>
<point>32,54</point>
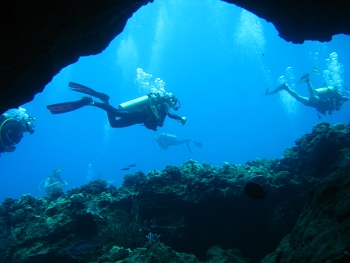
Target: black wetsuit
<point>145,116</point>
<point>10,134</point>
<point>164,141</point>
<point>324,105</point>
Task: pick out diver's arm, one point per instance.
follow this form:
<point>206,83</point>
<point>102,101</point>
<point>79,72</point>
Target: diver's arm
<point>63,183</point>
<point>12,146</point>
<point>13,135</point>
<point>47,185</point>
<point>54,184</point>
<point>176,117</point>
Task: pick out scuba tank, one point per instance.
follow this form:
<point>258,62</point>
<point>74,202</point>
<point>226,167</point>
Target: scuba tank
<point>170,136</point>
<point>135,103</point>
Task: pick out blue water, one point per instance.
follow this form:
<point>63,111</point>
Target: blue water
<point>215,57</point>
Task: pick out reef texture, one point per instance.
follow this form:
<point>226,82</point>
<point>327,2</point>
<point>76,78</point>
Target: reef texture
<point>197,210</point>
<point>39,38</point>
<point>322,232</point>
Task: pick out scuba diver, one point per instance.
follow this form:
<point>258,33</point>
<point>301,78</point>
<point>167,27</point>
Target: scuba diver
<point>325,99</point>
<point>13,124</point>
<point>165,140</point>
<point>149,110</point>
<point>54,180</point>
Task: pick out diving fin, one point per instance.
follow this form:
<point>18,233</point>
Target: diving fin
<point>276,90</point>
<point>83,89</point>
<point>198,144</point>
<point>304,78</point>
<point>69,106</point>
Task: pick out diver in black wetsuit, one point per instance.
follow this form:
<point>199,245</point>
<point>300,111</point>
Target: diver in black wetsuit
<point>325,100</point>
<point>164,140</point>
<point>13,124</point>
<point>149,110</point>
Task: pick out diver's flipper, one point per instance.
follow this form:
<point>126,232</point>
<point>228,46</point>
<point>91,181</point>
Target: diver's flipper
<point>69,106</point>
<point>83,89</point>
<point>198,144</point>
<point>304,78</point>
<point>279,88</point>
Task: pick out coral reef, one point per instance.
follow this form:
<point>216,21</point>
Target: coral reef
<point>198,210</point>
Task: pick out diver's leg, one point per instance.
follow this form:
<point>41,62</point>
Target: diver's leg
<point>293,93</point>
<point>121,123</point>
<point>127,118</point>
<point>296,96</point>
<point>178,142</point>
<point>313,93</point>
<point>276,90</point>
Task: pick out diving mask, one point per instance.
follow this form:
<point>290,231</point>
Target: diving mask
<point>172,101</point>
<point>29,123</point>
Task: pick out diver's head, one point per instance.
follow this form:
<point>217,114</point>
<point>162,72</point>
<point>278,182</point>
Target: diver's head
<point>56,172</point>
<point>171,101</point>
<point>340,93</point>
<point>20,114</point>
<point>28,123</point>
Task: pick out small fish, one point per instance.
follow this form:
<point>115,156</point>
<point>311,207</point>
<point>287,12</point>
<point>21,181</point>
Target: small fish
<point>152,238</point>
<point>314,69</point>
<point>132,165</point>
<point>124,169</point>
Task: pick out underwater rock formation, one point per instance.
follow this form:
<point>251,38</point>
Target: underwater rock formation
<point>322,232</point>
<point>297,21</point>
<point>200,211</point>
<point>39,38</point>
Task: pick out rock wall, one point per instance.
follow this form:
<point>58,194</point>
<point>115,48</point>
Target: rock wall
<point>322,232</point>
<point>42,37</point>
<point>197,209</point>
<point>297,21</point>
<point>39,38</point>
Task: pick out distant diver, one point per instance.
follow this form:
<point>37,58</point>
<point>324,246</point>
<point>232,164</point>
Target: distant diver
<point>149,110</point>
<point>128,168</point>
<point>164,140</point>
<point>325,99</point>
<point>13,124</point>
<point>54,180</point>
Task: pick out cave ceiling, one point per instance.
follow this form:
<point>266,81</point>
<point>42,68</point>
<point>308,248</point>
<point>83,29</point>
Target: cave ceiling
<point>39,38</point>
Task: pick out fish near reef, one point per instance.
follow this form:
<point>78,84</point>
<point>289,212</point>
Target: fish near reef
<point>254,190</point>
